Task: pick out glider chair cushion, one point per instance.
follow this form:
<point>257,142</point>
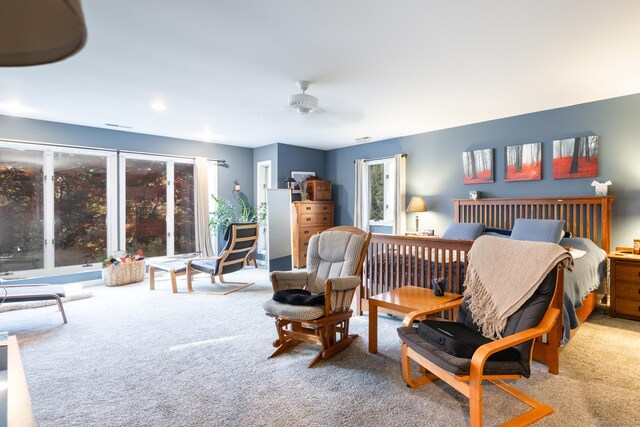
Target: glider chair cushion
<point>241,240</point>
<point>334,264</point>
<point>507,355</point>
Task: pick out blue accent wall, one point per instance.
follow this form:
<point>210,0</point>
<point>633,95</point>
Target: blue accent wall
<point>295,158</point>
<point>239,159</point>
<point>434,162</point>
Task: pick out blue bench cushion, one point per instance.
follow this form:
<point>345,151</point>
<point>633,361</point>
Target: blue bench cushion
<point>176,265</point>
<point>17,293</point>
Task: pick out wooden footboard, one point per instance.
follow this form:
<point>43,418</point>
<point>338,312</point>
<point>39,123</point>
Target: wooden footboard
<point>396,261</point>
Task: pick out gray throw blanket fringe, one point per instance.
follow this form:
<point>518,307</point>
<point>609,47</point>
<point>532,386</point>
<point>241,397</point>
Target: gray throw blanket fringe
<point>501,276</point>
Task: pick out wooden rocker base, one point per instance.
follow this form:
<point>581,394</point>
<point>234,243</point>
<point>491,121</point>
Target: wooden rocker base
<point>323,335</point>
<point>472,390</point>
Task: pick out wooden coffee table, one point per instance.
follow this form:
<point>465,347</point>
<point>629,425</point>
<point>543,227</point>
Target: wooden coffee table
<point>403,300</point>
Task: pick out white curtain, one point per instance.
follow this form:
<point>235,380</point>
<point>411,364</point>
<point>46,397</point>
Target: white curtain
<point>361,209</point>
<point>203,233</point>
<point>400,217</point>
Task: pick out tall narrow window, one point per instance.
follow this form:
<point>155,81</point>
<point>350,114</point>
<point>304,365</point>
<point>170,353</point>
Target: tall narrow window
<point>80,208</point>
<point>184,216</point>
<point>21,210</point>
<point>382,184</point>
<point>146,207</point>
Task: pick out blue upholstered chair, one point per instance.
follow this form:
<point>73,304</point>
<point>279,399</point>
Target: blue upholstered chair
<point>334,264</point>
<point>241,240</point>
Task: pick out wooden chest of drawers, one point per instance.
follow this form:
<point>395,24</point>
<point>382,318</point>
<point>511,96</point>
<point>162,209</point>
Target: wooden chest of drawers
<point>319,190</point>
<point>309,218</point>
<point>625,285</point>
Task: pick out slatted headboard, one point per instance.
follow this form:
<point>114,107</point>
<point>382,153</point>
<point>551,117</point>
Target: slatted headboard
<point>586,216</point>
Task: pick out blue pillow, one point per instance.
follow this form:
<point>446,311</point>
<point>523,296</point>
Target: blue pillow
<point>466,231</point>
<point>538,230</point>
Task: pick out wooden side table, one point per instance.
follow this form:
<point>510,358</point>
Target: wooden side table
<point>625,285</point>
<point>403,300</point>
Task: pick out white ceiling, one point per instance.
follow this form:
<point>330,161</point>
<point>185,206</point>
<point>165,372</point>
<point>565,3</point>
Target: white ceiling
<point>380,68</point>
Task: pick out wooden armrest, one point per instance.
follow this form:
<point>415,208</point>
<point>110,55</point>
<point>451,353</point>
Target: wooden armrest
<point>484,351</point>
<point>412,316</point>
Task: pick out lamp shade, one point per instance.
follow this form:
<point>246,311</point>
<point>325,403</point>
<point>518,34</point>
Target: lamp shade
<point>417,204</point>
<point>34,32</point>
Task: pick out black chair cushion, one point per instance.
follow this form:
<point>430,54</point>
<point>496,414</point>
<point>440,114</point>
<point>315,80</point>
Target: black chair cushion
<point>458,340</point>
<point>298,297</point>
<point>205,266</point>
<point>528,316</point>
<point>456,365</point>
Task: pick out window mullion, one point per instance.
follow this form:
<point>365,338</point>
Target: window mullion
<point>49,220</point>
<point>170,209</point>
<point>112,204</point>
<point>122,202</point>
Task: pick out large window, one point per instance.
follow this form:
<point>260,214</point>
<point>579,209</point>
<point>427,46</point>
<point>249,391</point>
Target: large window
<point>184,217</point>
<point>159,205</point>
<point>80,208</point>
<point>21,210</point>
<point>146,206</point>
<point>60,211</point>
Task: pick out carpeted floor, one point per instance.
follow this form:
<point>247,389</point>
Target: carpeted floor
<point>134,357</point>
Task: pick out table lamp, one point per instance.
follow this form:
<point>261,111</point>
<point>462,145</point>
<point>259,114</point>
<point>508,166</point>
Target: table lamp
<point>417,204</point>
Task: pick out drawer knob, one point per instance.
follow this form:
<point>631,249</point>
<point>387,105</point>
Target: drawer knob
<point>307,232</point>
<point>308,208</point>
<point>324,218</point>
<point>308,219</point>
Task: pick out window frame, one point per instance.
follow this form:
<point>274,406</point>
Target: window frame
<point>389,190</point>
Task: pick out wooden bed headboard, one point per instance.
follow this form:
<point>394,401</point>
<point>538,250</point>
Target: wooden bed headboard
<point>586,216</point>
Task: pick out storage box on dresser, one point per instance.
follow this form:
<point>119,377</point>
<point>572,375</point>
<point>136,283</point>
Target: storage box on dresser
<point>309,218</point>
<point>319,190</point>
<point>625,285</point>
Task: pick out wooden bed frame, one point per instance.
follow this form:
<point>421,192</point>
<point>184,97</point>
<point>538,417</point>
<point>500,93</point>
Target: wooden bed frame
<point>396,261</point>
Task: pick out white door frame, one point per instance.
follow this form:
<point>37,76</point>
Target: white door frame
<point>263,183</point>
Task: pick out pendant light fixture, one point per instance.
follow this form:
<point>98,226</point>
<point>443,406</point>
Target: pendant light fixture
<point>34,32</point>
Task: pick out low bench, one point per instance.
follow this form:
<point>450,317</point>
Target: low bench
<point>29,293</point>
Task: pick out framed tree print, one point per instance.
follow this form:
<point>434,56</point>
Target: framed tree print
<point>575,157</point>
<point>478,166</point>
<point>523,162</point>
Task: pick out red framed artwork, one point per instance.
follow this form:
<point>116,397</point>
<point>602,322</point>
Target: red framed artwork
<point>575,157</point>
<point>478,166</point>
<point>523,162</point>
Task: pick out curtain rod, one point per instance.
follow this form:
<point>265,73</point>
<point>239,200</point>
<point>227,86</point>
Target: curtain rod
<point>114,150</point>
<point>382,158</point>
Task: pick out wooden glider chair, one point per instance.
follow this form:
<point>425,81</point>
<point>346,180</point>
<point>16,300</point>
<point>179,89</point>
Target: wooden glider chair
<point>334,264</point>
<point>503,359</point>
<point>241,240</point>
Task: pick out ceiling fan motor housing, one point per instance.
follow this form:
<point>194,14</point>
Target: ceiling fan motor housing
<point>303,103</point>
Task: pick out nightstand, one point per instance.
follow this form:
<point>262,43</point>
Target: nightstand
<point>625,285</point>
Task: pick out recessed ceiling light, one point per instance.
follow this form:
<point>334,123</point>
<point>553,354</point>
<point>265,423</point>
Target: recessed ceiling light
<point>15,108</point>
<point>158,106</point>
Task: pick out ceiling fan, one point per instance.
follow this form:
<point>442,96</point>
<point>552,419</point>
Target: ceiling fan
<point>301,102</point>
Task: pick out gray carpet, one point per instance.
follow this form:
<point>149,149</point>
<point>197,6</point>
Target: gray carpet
<point>134,357</point>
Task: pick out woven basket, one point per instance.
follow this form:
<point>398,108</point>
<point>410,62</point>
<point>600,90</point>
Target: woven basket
<point>124,273</point>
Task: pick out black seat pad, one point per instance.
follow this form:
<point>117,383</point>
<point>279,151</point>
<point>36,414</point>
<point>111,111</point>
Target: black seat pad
<point>456,339</point>
<point>298,297</point>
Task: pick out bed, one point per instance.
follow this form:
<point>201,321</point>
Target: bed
<point>396,261</point>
